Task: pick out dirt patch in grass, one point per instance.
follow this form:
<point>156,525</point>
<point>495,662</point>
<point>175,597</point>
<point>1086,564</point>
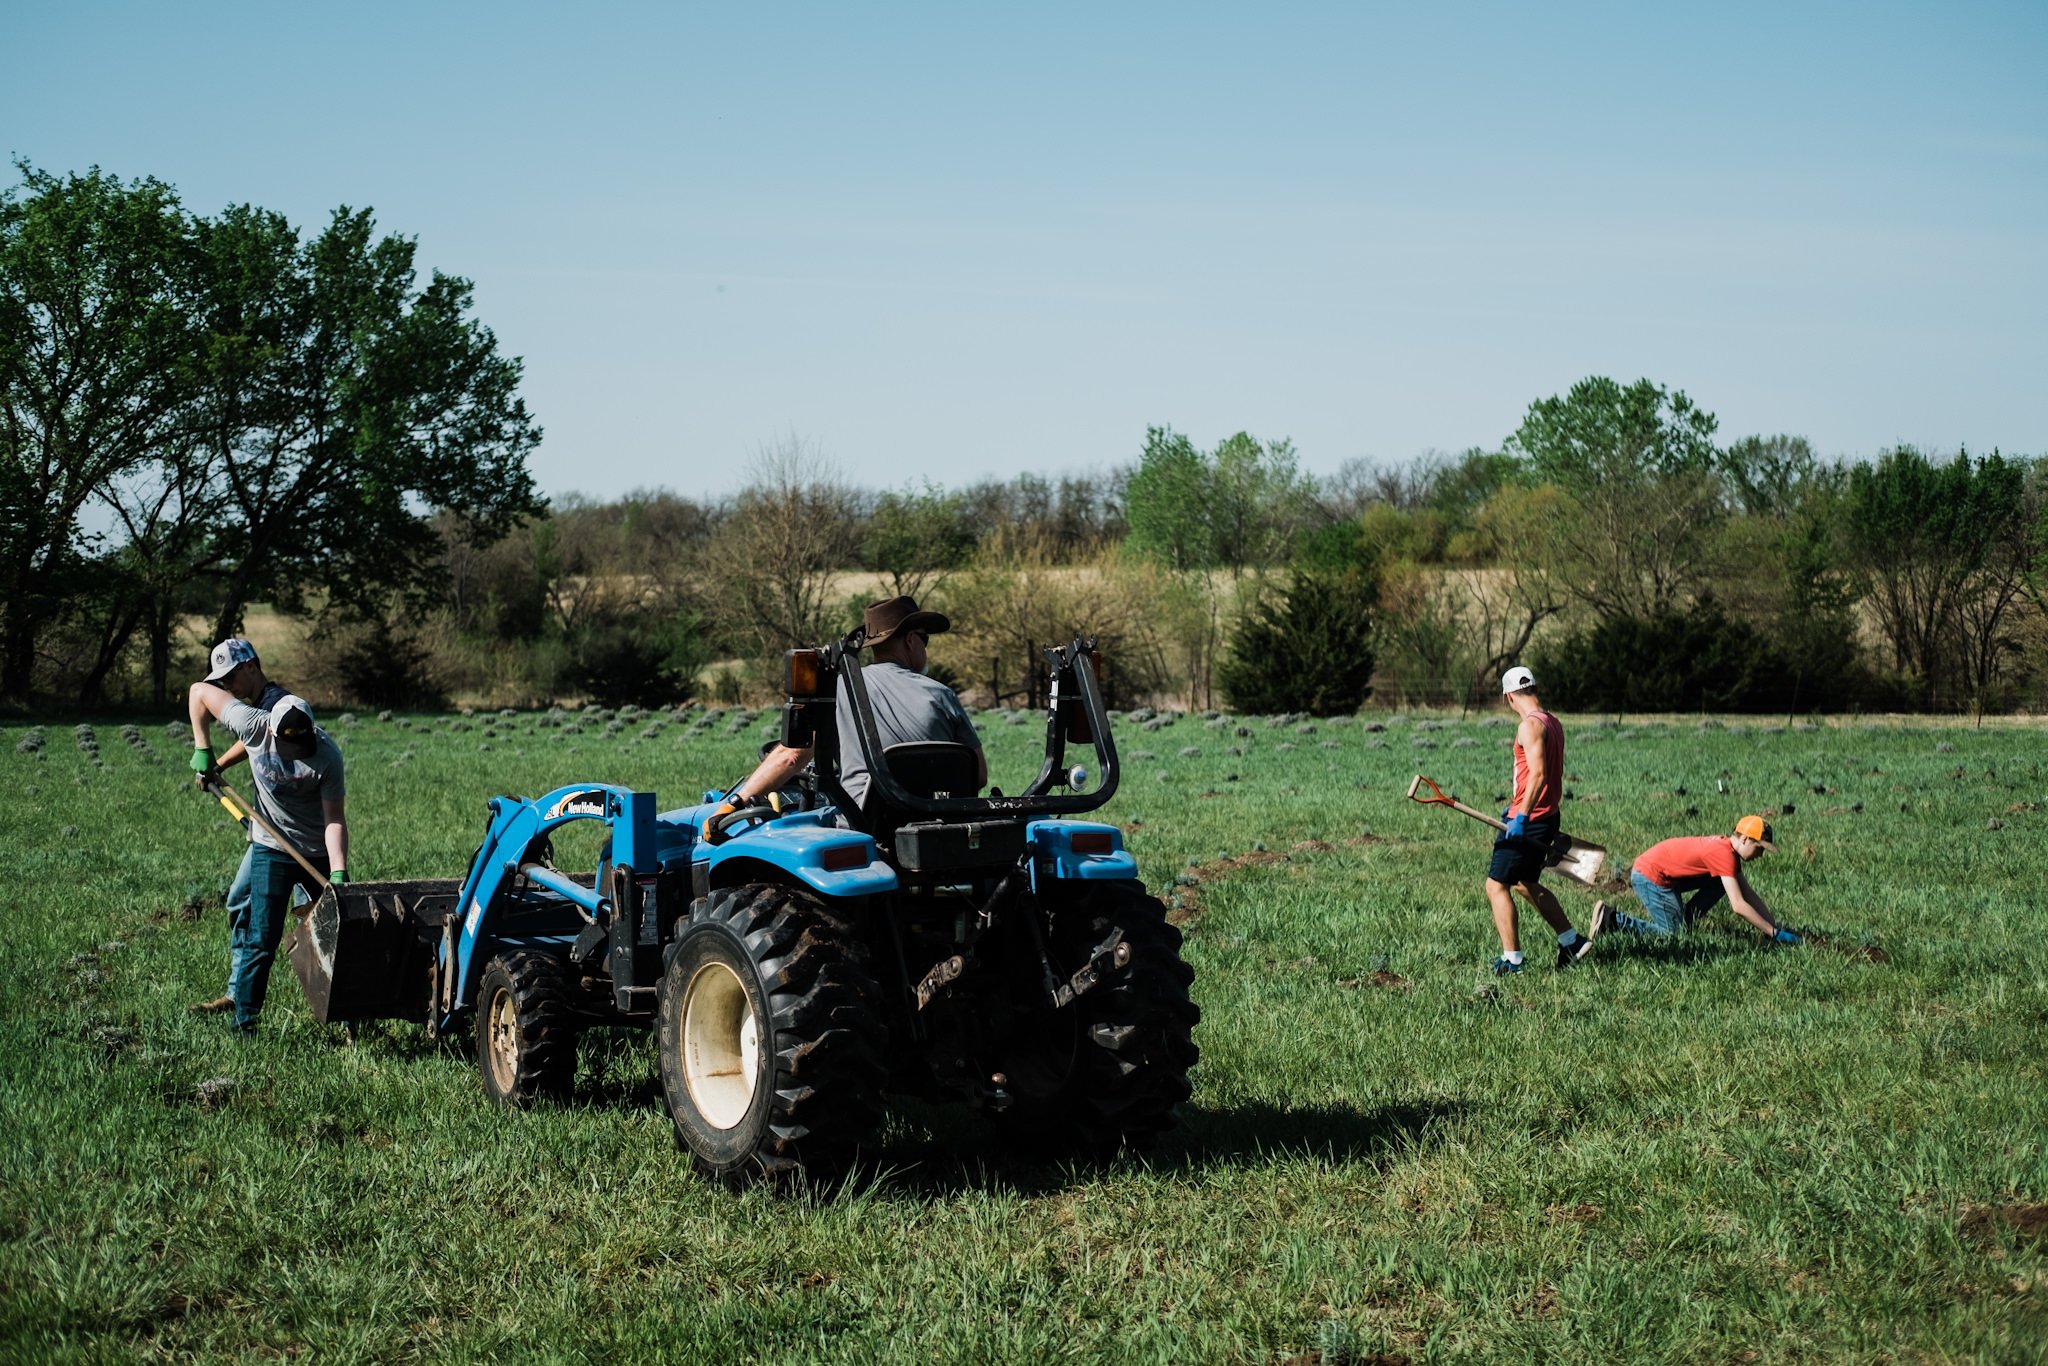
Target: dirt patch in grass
<point>1985,1223</point>
<point>1862,952</point>
<point>1224,867</point>
<point>1379,977</point>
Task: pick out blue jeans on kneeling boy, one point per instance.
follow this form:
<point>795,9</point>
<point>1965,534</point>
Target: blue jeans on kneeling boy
<point>1667,910</point>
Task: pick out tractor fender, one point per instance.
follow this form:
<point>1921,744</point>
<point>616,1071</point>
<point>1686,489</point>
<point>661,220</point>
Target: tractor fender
<point>829,859</point>
<point>1101,857</point>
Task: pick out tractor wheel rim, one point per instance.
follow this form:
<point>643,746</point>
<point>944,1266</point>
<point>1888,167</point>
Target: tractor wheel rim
<point>504,1026</point>
<point>721,1045</point>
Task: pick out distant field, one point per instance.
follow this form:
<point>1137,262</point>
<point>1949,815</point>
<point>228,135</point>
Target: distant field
<point>1699,1151</point>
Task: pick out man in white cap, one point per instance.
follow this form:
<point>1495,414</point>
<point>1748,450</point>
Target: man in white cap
<point>1519,851</point>
<point>234,665</point>
<point>298,777</point>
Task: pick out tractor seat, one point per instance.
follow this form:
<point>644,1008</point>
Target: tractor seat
<point>934,768</point>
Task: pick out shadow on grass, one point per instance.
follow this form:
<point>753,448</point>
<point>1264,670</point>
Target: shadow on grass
<point>943,1150</point>
<point>1680,950</point>
<point>1251,1134</point>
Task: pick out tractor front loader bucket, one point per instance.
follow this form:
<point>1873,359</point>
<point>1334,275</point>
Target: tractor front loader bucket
<point>365,950</point>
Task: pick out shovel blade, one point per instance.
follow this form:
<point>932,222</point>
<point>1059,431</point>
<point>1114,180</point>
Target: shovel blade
<point>1580,861</point>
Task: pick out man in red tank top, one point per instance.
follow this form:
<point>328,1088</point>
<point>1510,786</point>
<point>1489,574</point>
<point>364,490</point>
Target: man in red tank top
<point>1519,850</point>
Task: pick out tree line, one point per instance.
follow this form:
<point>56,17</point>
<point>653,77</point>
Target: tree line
<point>202,413</point>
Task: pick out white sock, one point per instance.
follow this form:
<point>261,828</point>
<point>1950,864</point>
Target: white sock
<point>1513,955</point>
<point>1567,939</point>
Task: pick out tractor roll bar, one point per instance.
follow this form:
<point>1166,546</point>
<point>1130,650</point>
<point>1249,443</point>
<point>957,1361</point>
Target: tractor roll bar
<point>1070,661</point>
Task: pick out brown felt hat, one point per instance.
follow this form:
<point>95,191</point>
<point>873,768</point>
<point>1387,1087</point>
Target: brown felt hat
<point>891,617</point>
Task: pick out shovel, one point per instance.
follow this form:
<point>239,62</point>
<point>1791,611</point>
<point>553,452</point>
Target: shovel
<point>240,809</point>
<point>1576,859</point>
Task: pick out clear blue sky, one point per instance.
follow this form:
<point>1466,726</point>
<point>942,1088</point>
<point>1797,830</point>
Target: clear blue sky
<point>948,241</point>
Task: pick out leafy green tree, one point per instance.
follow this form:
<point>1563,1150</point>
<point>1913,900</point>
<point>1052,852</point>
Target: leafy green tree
<point>1258,502</point>
<point>1639,466</point>
<point>344,402</point>
<point>1943,552</point>
<point>1601,435</point>
<point>1238,507</point>
<point>1782,571</point>
<point>1167,502</point>
<point>1308,648</point>
<point>912,538</point>
<point>96,376</point>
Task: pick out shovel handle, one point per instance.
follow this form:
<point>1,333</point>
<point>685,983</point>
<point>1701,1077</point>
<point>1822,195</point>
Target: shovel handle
<point>224,792</point>
<point>1415,787</point>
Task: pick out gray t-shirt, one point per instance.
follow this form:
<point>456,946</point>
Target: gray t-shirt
<point>909,708</point>
<point>288,791</point>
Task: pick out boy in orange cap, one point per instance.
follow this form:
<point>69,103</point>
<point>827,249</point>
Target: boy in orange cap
<point>1682,879</point>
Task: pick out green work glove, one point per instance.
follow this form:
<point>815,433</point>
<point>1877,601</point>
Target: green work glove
<point>338,876</point>
<point>202,759</point>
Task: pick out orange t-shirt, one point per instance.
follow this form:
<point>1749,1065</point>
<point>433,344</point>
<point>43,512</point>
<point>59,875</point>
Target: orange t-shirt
<point>1688,856</point>
<point>1540,804</point>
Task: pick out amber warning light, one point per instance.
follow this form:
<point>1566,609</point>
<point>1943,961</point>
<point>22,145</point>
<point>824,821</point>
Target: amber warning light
<point>803,673</point>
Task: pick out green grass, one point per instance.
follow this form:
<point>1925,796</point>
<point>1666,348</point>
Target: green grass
<point>1702,1151</point>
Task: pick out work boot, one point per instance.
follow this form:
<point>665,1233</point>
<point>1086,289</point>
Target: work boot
<point>219,1005</point>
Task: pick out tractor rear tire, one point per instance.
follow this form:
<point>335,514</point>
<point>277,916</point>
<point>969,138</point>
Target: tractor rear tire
<point>525,1030</point>
<point>1110,1069</point>
<point>771,1037</point>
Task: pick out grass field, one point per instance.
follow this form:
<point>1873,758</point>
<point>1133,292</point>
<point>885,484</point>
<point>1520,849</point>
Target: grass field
<point>1704,1150</point>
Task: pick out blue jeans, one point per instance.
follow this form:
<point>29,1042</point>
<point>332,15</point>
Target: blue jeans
<point>1668,909</point>
<point>238,890</point>
<point>266,881</point>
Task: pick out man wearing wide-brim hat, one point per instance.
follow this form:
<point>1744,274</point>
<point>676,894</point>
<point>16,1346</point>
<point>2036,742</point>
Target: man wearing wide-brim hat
<point>909,707</point>
<point>1681,879</point>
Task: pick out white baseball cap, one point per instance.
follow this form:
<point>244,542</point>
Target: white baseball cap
<point>230,655</point>
<point>1516,679</point>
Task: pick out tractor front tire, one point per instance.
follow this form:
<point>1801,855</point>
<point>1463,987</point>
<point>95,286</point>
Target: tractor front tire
<point>1110,1069</point>
<point>771,1037</point>
<point>525,1030</point>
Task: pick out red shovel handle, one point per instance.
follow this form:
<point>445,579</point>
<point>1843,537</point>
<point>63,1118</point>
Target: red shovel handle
<point>1439,799</point>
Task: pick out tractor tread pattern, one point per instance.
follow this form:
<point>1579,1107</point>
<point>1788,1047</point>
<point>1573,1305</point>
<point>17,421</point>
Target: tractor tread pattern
<point>830,1037</point>
<point>546,1064</point>
<point>1131,1076</point>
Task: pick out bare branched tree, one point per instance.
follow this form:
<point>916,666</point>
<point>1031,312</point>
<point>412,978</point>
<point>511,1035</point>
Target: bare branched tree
<point>773,564</point>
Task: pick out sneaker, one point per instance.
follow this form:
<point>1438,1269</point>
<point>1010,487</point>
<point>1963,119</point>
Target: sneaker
<point>219,1005</point>
<point>1502,967</point>
<point>1603,920</point>
<point>1566,956</point>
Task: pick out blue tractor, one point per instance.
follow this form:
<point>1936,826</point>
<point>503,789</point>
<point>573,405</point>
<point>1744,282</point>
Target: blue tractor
<point>799,957</point>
